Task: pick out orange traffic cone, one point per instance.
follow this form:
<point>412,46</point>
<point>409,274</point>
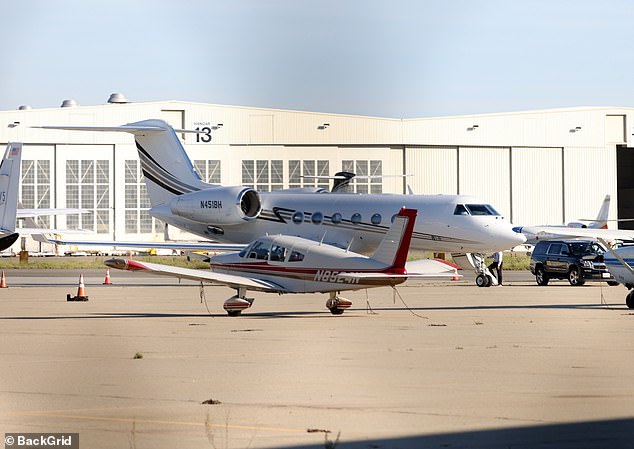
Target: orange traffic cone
<point>107,280</point>
<point>3,282</point>
<point>81,291</point>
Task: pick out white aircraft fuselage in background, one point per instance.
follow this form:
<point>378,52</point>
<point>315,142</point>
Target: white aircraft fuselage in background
<point>332,217</point>
<point>239,214</point>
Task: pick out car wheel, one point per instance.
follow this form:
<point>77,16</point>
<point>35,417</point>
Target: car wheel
<point>540,277</point>
<point>575,278</point>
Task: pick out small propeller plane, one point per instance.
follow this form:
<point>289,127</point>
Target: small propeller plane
<point>539,232</point>
<point>290,264</point>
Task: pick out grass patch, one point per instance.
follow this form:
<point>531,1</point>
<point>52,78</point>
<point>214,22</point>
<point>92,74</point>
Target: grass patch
<point>93,262</point>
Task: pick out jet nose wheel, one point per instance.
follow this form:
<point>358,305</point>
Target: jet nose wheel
<point>483,280</point>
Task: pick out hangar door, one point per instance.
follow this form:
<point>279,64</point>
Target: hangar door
<point>485,173</point>
<point>625,185</point>
<point>537,176</point>
<point>432,170</point>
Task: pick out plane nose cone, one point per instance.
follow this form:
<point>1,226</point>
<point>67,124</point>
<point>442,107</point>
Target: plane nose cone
<point>516,237</point>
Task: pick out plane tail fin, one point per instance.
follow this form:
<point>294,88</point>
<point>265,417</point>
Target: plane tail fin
<point>393,249</point>
<point>167,169</point>
<point>602,216</point>
<point>9,182</point>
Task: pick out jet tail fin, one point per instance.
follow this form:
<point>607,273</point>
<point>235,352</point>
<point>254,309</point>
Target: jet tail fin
<point>602,216</point>
<point>167,169</point>
<point>393,249</point>
<point>9,182</point>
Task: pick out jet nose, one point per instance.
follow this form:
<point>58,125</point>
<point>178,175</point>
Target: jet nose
<point>515,237</point>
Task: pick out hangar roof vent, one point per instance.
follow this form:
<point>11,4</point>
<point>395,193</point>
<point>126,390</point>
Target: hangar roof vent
<point>24,107</point>
<point>69,104</point>
<point>118,98</point>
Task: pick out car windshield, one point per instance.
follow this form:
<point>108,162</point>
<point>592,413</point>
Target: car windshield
<point>586,248</point>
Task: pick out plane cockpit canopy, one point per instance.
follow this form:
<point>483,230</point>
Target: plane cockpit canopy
<point>475,209</point>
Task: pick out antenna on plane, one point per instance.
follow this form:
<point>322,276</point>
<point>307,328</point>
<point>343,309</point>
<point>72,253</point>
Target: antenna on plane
<point>349,244</point>
<point>322,238</point>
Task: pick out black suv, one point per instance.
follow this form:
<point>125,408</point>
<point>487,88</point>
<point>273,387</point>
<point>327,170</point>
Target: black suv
<point>575,260</point>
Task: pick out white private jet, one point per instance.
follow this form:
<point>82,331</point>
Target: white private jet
<point>290,264</point>
<point>537,232</point>
<point>454,224</point>
<point>9,212</point>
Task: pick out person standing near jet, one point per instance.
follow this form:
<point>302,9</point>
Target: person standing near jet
<point>498,260</point>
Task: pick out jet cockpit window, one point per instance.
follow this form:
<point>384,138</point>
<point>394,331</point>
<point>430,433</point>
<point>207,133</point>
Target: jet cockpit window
<point>296,256</point>
<point>278,253</point>
<point>481,209</point>
<point>461,210</point>
<point>260,250</point>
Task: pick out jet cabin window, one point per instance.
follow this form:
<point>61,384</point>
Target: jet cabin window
<point>475,209</point>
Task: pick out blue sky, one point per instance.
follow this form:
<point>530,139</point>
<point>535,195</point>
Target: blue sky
<point>393,59</point>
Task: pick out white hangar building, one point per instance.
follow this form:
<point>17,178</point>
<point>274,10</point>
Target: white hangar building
<point>535,167</point>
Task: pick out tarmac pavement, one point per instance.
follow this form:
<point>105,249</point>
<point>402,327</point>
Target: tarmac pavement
<point>443,365</point>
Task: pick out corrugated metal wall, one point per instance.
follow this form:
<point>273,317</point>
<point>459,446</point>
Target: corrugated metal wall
<point>486,172</point>
<point>432,170</point>
<point>537,177</point>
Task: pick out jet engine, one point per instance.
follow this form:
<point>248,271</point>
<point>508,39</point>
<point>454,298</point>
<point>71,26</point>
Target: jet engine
<point>224,206</point>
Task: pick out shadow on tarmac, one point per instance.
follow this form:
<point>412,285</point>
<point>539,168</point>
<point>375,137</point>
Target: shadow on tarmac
<point>612,434</point>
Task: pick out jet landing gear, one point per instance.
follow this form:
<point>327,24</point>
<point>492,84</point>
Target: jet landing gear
<point>337,304</point>
<point>484,277</point>
<point>238,302</point>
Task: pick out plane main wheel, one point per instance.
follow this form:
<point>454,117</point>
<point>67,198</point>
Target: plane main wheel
<point>482,280</point>
<point>336,310</point>
<point>234,312</point>
<point>629,299</point>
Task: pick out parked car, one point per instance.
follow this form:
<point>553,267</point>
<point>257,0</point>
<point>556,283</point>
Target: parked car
<point>576,260</point>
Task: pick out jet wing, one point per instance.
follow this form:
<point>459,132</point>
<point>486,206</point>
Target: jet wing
<point>193,246</point>
<point>552,232</point>
<point>33,213</point>
<point>230,280</point>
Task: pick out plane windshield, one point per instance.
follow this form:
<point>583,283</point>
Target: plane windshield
<point>260,250</point>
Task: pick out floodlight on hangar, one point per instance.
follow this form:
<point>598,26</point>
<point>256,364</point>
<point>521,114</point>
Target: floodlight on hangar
<point>118,98</point>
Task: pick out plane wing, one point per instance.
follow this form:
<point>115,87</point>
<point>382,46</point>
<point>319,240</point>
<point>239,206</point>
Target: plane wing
<point>230,280</point>
<point>552,232</point>
<point>33,213</point>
